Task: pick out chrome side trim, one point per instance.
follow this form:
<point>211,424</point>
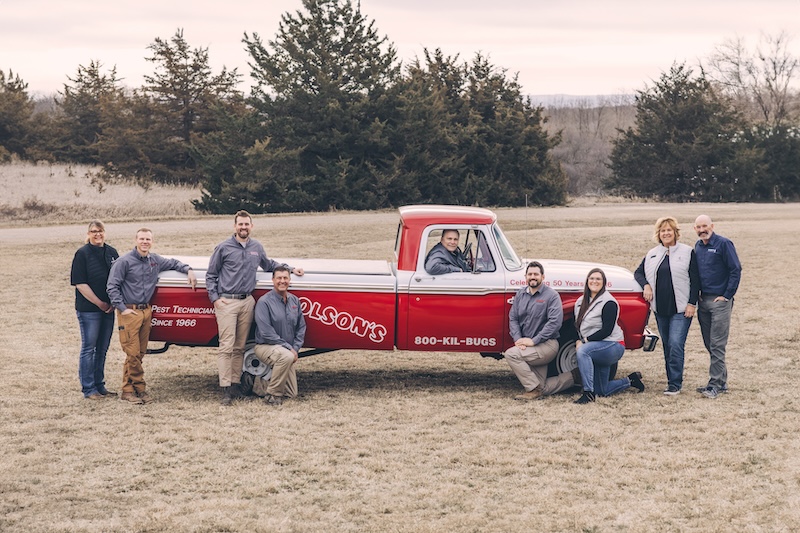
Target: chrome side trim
<point>335,287</point>
<point>457,291</point>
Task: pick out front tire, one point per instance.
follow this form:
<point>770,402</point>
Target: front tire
<point>567,357</point>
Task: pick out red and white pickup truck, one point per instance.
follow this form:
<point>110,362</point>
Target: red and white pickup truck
<point>377,305</point>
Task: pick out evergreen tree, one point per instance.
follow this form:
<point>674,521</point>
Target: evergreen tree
<point>322,91</point>
<point>178,102</point>
<point>337,126</point>
<point>91,103</point>
<point>429,165</point>
<point>688,144</point>
<point>508,153</point>
<point>16,108</point>
<point>781,155</point>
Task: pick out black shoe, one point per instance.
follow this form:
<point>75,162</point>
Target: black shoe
<point>586,397</point>
<point>226,396</point>
<point>636,381</point>
<point>236,391</point>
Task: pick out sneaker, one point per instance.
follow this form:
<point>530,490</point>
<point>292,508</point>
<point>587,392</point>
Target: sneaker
<point>722,390</point>
<point>274,401</point>
<point>636,381</point>
<point>535,394</point>
<point>710,392</point>
<point>146,398</point>
<point>672,391</point>
<point>586,397</point>
<point>131,397</point>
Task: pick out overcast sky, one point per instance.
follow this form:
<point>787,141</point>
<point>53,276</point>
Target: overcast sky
<point>575,47</point>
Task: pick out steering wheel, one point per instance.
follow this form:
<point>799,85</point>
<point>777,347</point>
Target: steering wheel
<point>469,256</point>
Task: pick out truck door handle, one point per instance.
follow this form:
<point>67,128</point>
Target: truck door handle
<point>420,278</point>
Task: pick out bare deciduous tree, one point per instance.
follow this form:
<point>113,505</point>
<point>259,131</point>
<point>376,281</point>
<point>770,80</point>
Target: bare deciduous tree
<point>761,81</point>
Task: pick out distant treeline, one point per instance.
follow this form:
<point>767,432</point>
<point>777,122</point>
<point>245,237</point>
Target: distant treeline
<point>335,122</point>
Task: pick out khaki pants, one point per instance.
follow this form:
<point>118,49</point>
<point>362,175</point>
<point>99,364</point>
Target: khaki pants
<point>134,331</point>
<point>234,319</point>
<point>284,378</point>
<point>529,364</point>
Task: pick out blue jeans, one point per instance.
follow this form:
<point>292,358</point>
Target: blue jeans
<point>594,362</point>
<point>96,329</point>
<point>673,330</point>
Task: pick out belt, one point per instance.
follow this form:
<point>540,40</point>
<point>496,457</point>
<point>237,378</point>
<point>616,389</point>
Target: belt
<point>137,306</point>
<point>234,296</point>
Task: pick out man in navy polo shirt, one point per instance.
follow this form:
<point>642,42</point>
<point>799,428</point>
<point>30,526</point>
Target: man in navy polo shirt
<point>720,272</point>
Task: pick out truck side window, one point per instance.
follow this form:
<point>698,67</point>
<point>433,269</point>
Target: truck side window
<point>438,259</point>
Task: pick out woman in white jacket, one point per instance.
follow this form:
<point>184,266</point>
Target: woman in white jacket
<point>670,281</point>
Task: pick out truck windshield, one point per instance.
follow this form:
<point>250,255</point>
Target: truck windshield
<point>510,258</point>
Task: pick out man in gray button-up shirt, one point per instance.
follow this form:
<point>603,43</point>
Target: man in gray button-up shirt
<point>230,280</point>
<point>534,322</point>
<point>280,331</point>
<point>131,284</point>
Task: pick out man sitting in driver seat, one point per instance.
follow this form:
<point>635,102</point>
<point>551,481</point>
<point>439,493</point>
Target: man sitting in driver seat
<point>446,256</point>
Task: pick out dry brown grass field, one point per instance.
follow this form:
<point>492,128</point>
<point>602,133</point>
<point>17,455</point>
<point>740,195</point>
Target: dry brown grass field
<point>403,441</point>
<point>45,193</point>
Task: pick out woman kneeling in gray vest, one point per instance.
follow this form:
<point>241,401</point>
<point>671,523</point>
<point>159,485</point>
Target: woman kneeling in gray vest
<point>600,341</point>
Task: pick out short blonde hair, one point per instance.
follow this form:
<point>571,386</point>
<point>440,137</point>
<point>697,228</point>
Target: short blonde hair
<point>94,224</point>
<point>669,221</point>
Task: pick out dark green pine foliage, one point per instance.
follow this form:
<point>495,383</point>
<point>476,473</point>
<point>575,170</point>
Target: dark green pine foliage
<point>688,144</point>
<point>429,131</point>
<point>16,108</point>
<point>92,104</point>
<point>780,144</point>
<point>507,153</point>
<point>322,94</point>
<point>468,136</point>
<point>180,101</point>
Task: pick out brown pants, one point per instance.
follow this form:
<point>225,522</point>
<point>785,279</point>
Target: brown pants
<point>234,319</point>
<point>134,332</point>
<point>284,378</point>
<point>529,364</point>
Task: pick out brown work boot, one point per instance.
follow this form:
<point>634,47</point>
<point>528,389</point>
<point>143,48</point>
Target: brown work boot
<point>274,401</point>
<point>146,398</point>
<point>95,396</point>
<point>131,397</point>
<point>534,394</point>
<point>576,376</point>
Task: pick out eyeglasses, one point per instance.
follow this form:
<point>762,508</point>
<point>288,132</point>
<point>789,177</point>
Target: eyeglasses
<point>97,231</point>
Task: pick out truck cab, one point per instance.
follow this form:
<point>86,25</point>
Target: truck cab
<point>468,311</point>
